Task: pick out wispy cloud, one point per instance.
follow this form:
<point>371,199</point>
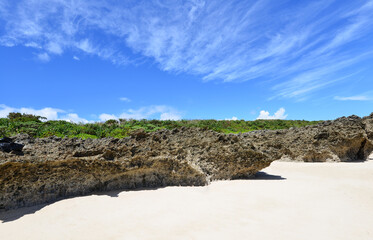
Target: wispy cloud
<point>299,48</point>
<point>354,98</point>
<point>54,48</point>
<point>280,114</point>
<point>311,80</point>
<point>44,57</point>
<point>124,99</point>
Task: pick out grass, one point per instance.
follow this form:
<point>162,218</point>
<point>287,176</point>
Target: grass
<point>35,127</point>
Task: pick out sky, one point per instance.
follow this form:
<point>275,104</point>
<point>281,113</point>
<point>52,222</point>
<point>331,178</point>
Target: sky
<point>86,61</point>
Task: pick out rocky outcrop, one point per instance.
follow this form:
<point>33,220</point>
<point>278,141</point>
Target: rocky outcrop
<point>368,126</point>
<point>343,139</point>
<point>52,168</point>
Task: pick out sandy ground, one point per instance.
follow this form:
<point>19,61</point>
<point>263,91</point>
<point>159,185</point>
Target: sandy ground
<point>293,201</point>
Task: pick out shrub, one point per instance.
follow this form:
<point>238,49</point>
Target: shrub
<point>32,125</point>
<point>112,122</point>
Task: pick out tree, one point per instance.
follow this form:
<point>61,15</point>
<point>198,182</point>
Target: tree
<point>23,117</point>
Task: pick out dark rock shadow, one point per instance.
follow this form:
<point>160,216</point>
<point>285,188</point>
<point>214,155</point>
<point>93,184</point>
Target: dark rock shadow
<point>115,193</point>
<point>355,161</point>
<point>266,176</point>
<point>14,214</point>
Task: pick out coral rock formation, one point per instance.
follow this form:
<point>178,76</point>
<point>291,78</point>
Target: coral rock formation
<point>53,168</point>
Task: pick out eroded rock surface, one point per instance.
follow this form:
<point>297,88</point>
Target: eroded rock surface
<point>343,139</point>
<point>52,168</point>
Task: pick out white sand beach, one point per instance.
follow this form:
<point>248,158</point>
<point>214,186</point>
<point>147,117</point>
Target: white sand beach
<point>291,201</point>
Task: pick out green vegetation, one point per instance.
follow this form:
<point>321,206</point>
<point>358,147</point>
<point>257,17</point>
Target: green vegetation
<point>34,126</point>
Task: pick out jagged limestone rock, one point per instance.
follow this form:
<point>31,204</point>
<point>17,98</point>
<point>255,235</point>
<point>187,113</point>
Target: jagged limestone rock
<point>53,168</point>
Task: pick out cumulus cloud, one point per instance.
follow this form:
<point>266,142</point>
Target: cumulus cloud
<point>280,114</point>
<point>161,112</point>
<point>232,118</point>
<point>170,116</point>
<point>226,40</point>
<point>49,113</point>
<point>104,117</point>
<point>73,117</point>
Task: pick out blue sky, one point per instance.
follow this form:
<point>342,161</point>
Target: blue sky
<point>95,60</point>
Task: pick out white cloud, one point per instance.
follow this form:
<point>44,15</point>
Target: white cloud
<point>309,81</point>
<point>86,46</point>
<point>151,111</point>
<point>161,112</point>
<point>76,58</point>
<point>54,47</point>
<point>5,110</point>
<point>280,114</point>
<point>73,117</point>
<point>124,99</point>
<point>233,118</point>
<point>44,57</point>
<point>49,113</point>
<point>354,98</point>
<point>170,116</point>
<point>32,45</point>
<point>104,117</point>
<point>6,42</point>
<point>213,39</point>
